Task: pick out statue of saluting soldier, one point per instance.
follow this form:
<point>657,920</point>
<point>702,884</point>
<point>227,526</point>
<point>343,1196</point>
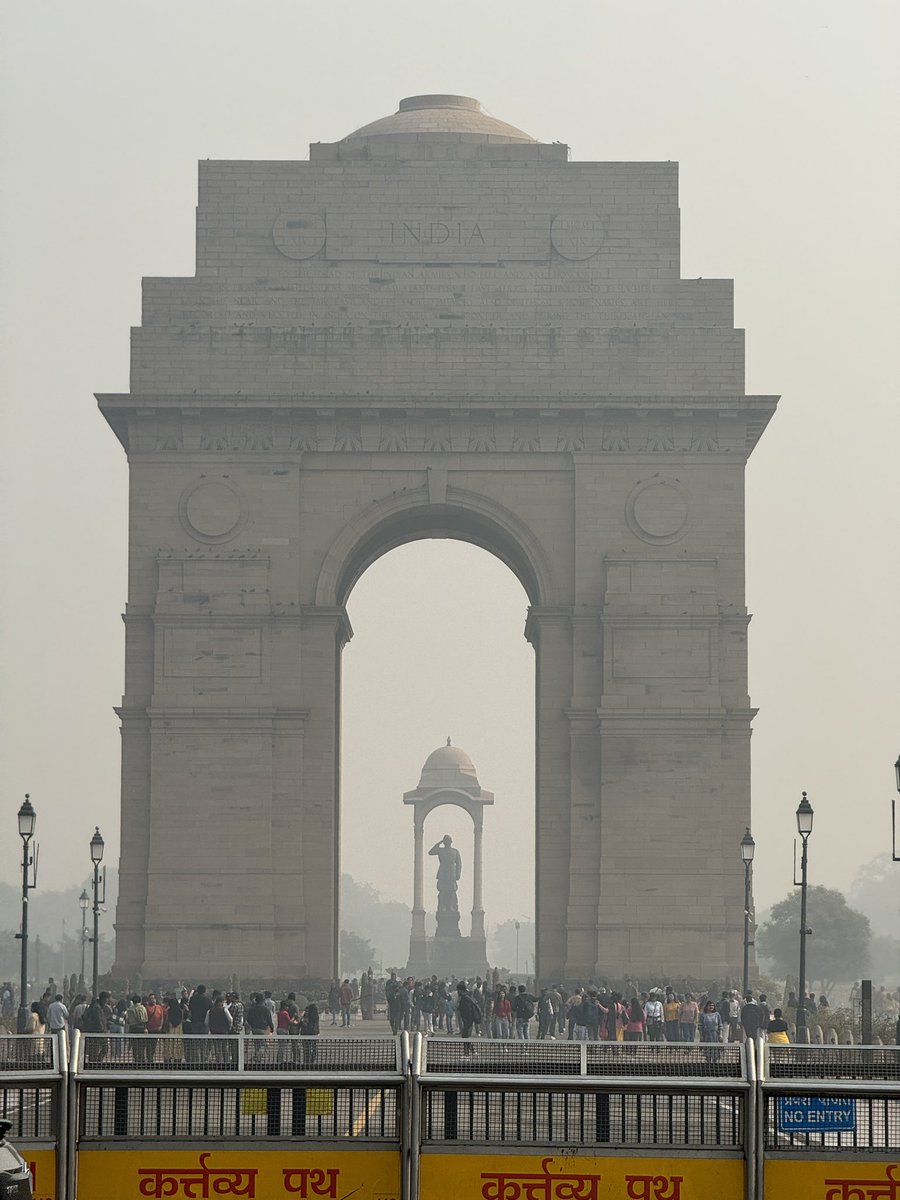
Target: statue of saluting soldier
<point>449,871</point>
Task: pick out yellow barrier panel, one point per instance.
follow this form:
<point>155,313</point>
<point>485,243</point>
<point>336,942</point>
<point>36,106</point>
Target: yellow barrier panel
<point>579,1177</point>
<point>264,1173</point>
<point>824,1179</point>
<point>254,1102</point>
<point>42,1164</point>
<point>319,1102</point>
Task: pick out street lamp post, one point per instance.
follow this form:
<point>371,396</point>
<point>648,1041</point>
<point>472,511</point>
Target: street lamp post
<point>748,849</point>
<point>894,854</point>
<point>96,859</point>
<point>84,902</point>
<point>517,950</point>
<point>804,828</point>
<point>27,819</point>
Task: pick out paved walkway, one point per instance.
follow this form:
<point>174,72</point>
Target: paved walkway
<point>377,1027</point>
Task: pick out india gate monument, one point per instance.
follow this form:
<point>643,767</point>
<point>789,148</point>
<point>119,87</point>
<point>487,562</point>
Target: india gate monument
<point>436,327</point>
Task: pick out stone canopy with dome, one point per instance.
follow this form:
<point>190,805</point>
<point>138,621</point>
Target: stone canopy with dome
<point>449,767</point>
<point>448,777</point>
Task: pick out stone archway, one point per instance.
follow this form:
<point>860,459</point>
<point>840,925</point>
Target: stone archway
<point>474,514</point>
<point>435,327</point>
<point>428,512</point>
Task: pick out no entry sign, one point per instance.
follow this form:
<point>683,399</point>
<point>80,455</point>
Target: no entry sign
<point>816,1114</point>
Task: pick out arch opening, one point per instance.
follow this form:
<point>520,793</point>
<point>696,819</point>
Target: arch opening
<point>405,518</point>
<point>437,650</point>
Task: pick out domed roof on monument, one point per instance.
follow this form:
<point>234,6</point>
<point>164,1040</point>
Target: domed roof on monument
<point>440,114</point>
<point>448,767</point>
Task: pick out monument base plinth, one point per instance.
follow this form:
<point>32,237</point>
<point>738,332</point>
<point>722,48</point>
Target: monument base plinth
<point>463,957</point>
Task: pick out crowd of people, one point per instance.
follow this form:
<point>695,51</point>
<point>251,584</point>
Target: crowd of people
<point>170,1015</point>
<point>477,1008</point>
<point>504,1011</point>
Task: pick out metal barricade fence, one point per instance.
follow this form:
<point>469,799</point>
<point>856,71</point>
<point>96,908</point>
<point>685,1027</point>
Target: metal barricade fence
<point>164,1053</point>
<point>490,1111</point>
<point>321,1116</point>
<point>34,1074</point>
<point>634,1059</point>
<point>267,1110</point>
<point>829,1119</point>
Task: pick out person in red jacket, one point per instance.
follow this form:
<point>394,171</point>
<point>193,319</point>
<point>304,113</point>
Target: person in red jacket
<point>501,1015</point>
<point>346,997</point>
<point>156,1016</point>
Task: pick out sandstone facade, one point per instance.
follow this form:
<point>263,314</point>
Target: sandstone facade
<point>435,327</point>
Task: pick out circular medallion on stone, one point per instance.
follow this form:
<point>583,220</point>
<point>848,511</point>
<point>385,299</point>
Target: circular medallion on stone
<point>211,511</point>
<point>577,236</point>
<point>657,511</point>
<point>299,235</point>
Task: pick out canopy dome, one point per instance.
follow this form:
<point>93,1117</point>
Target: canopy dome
<point>448,767</point>
<point>440,114</point>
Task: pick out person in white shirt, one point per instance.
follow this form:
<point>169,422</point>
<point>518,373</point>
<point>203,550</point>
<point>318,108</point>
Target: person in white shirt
<point>654,1016</point>
<point>57,1016</point>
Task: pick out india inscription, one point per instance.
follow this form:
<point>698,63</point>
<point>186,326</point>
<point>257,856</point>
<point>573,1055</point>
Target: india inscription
<point>438,234</point>
<point>435,233</point>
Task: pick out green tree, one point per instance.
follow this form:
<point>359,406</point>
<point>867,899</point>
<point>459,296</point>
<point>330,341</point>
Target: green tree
<point>356,952</point>
<point>885,961</point>
<point>837,949</point>
<point>384,923</point>
<point>10,955</point>
<point>876,892</point>
<point>502,945</point>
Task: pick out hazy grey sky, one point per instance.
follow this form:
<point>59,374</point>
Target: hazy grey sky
<point>783,117</point>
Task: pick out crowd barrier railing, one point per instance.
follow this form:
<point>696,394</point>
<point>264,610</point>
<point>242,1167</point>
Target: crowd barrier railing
<point>548,1120</point>
<point>501,1120</point>
<point>244,1116</point>
<point>829,1122</point>
<point>34,1080</point>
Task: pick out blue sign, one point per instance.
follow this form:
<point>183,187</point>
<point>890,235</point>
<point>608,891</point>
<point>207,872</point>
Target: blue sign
<point>816,1114</point>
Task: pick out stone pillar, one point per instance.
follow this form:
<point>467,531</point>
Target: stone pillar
<point>131,922</point>
<point>550,632</point>
<point>325,630</point>
<point>477,877</point>
<point>418,942</point>
<point>418,912</point>
<point>584,873</point>
<point>674,752</point>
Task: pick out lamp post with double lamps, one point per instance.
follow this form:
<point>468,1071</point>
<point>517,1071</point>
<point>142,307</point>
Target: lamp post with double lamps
<point>96,859</point>
<point>748,849</point>
<point>894,855</point>
<point>27,819</point>
<point>804,828</point>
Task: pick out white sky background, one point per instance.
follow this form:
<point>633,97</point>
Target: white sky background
<point>783,117</point>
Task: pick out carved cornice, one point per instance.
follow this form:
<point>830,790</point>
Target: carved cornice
<point>660,620</point>
<point>675,721</point>
<point>206,715</point>
<point>331,615</point>
<point>254,554</point>
<point>463,402</point>
<point>647,426</point>
<point>543,616</point>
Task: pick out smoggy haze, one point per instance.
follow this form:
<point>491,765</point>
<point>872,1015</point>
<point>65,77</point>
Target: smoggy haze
<point>780,118</point>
